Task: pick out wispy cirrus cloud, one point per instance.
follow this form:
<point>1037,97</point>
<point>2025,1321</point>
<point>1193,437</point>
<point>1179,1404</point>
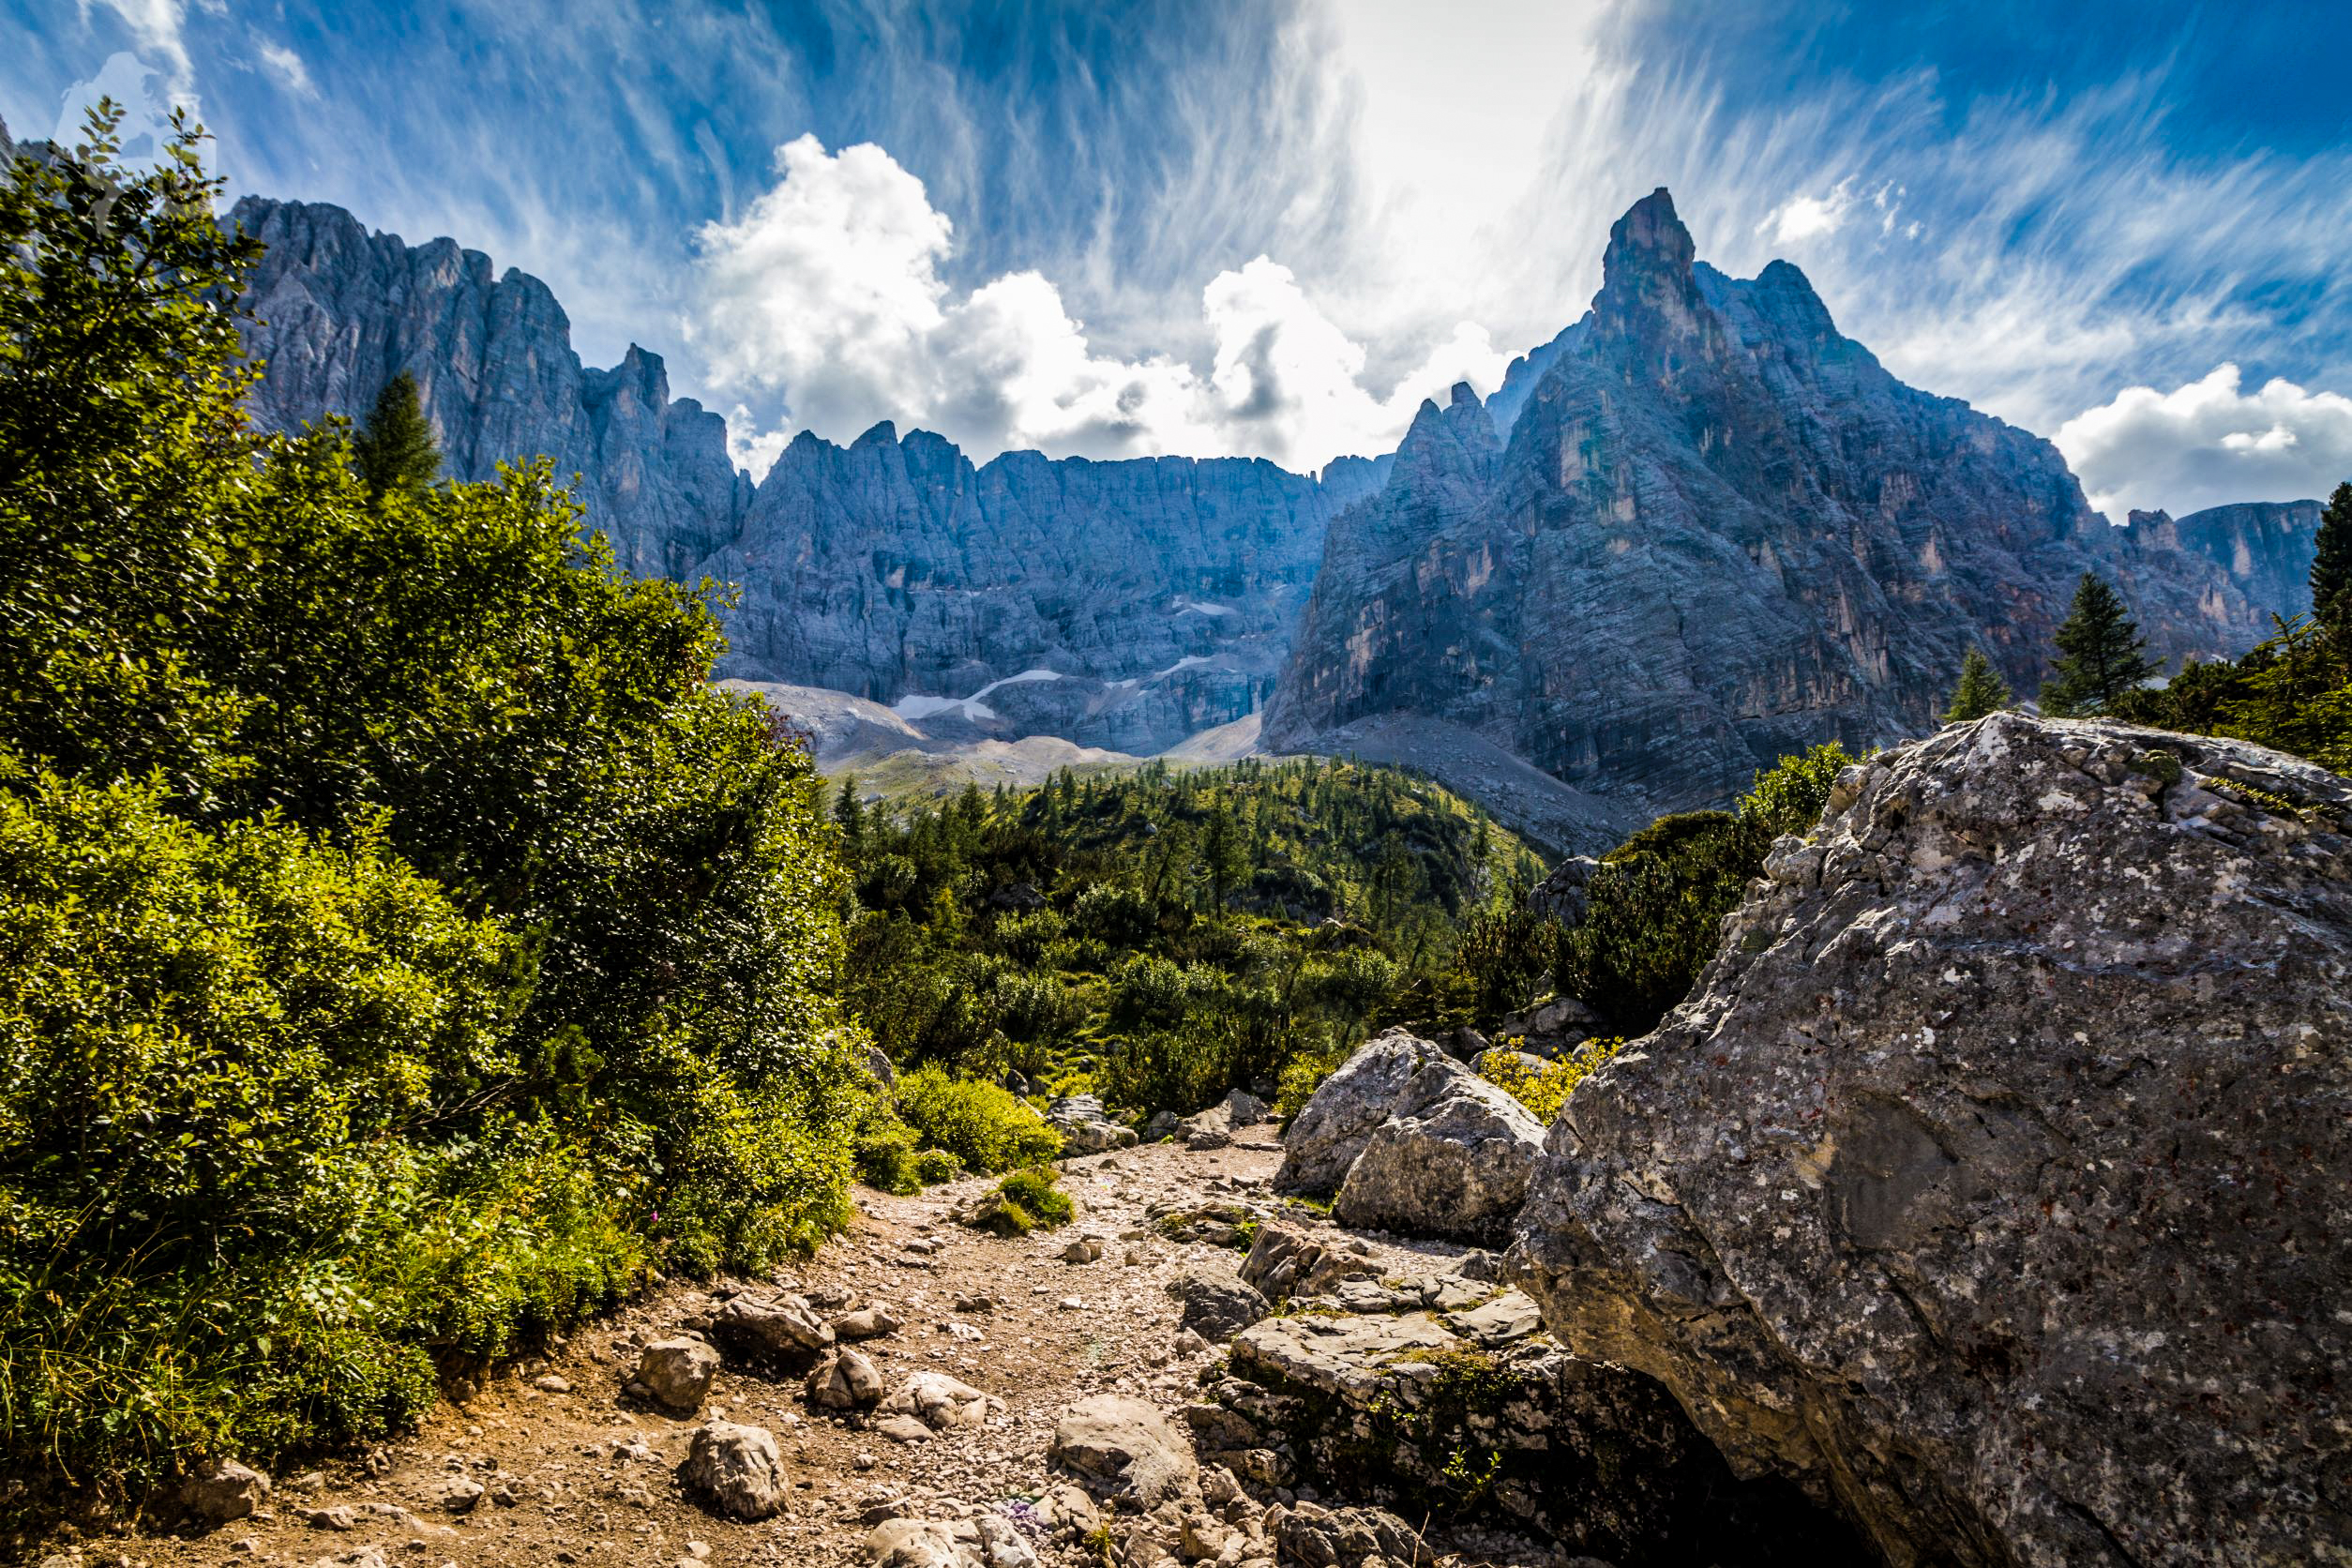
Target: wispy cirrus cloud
<point>2125,195</point>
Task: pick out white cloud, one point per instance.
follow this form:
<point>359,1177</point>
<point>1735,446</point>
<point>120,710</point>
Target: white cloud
<point>1804,217</point>
<point>828,293</point>
<point>285,64</point>
<point>2207,442</point>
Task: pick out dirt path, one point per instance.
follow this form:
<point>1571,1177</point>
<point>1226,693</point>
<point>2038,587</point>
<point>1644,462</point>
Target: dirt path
<point>575,1473</point>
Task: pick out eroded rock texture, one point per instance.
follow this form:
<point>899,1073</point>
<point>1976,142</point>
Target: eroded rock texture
<point>1718,531</point>
<point>1991,1182</point>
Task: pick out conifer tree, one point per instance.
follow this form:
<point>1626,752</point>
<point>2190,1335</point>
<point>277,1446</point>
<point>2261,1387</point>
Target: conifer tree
<point>1981,691</point>
<point>394,450</point>
<point>2101,652</point>
<point>2332,566</point>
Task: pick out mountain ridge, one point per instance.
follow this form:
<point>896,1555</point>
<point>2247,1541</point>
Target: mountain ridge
<point>1719,531</point>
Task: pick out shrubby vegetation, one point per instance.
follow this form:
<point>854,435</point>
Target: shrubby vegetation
<point>1163,937</point>
<point>1546,1088</point>
<point>404,945</point>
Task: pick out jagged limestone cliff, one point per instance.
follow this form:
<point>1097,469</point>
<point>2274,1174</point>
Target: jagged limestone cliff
<point>1718,531</point>
<point>1162,591</point>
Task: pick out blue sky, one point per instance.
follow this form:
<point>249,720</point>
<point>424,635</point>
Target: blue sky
<point>1272,228</point>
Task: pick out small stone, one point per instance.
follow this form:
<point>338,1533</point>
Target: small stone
<point>225,1490</point>
<point>337,1517</point>
<point>459,1495</point>
<point>550,1382</point>
<point>677,1372</point>
<point>737,1467</point>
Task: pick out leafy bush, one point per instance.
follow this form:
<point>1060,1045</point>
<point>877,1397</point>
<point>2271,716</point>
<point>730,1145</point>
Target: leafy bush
<point>981,1124</point>
<point>402,942</point>
<point>219,1223</point>
<point>1034,1192</point>
<point>1545,1090</point>
<point>1302,1076</point>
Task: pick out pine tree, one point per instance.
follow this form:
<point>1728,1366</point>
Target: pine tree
<point>1981,691</point>
<point>850,813</point>
<point>394,450</point>
<point>2331,567</point>
<point>2101,654</point>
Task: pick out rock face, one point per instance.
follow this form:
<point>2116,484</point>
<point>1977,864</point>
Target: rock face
<point>1163,591</point>
<point>1718,531</point>
<point>2263,546</point>
<point>1407,1138</point>
<point>1441,1414</point>
<point>1992,1184</point>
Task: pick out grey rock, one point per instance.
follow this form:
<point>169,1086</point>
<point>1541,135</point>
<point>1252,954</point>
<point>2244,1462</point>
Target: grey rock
<point>775,1327</point>
<point>1205,1130</point>
<point>1288,1259</point>
<point>1086,1127</point>
<point>1126,1447</point>
<point>1243,1110</point>
<point>457,1495</point>
<point>1456,1163</point>
<point>1429,1147</point>
<point>1333,1127</point>
<point>870,1322</point>
<point>845,1379</point>
<point>225,1490</point>
<point>677,1372</point>
<point>940,1402</point>
<point>1719,531</point>
<point>1560,895</point>
<point>737,1469</point>
<point>1217,1302</point>
<point>2007,1208</point>
<point>1317,1537</point>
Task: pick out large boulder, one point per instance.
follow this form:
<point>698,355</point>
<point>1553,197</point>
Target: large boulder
<point>1217,1302</point>
<point>1333,1127</point>
<point>1993,1184</point>
<point>1453,1159</point>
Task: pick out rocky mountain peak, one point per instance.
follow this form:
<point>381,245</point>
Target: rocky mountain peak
<point>1648,292</point>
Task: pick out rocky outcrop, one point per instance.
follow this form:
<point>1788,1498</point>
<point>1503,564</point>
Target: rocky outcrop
<point>2264,548</point>
<point>1991,1182</point>
<point>1125,1447</point>
<point>1456,1413</point>
<point>1162,592</point>
<point>1718,531</point>
<point>1405,1138</point>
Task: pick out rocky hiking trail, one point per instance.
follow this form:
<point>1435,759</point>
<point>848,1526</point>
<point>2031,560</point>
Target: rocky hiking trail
<point>552,1461</point>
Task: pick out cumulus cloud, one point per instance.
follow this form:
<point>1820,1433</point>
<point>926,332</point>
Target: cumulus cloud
<point>829,293</point>
<point>2207,443</point>
<point>1804,217</point>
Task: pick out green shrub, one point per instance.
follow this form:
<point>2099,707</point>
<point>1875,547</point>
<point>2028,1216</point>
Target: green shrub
<point>1301,1076</point>
<point>1184,1069</point>
<point>983,1126</point>
<point>1036,1193</point>
<point>459,950</point>
<point>1545,1090</point>
<point>219,1223</point>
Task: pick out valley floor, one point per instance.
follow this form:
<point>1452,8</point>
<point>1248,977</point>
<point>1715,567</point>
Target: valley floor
<point>591,1474</point>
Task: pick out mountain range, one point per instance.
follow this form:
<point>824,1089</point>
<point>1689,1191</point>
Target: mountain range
<point>1698,528</point>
